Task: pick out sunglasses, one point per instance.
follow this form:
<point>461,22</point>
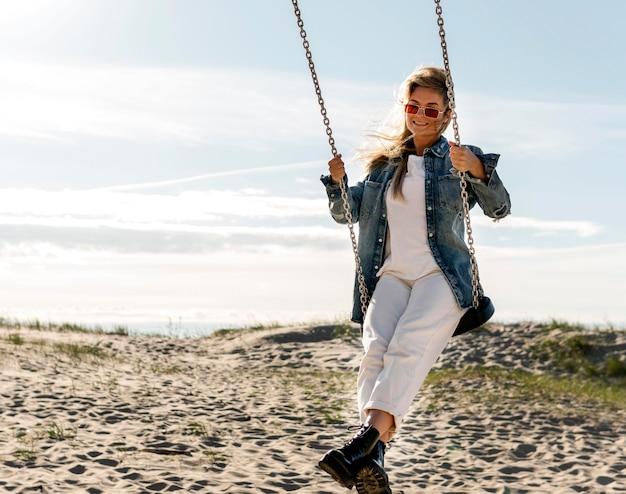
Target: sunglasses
<point>427,111</point>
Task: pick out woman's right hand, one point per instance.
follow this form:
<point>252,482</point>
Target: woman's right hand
<point>336,168</point>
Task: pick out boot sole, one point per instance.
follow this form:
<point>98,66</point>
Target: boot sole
<point>333,465</point>
<point>372,480</point>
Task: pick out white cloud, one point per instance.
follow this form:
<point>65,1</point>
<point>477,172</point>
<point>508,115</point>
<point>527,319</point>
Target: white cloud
<point>106,220</point>
<point>579,284</point>
<point>100,206</point>
<point>541,227</point>
<point>192,105</point>
<point>225,173</point>
<point>542,129</point>
<point>126,219</point>
<point>12,12</point>
<point>575,284</point>
<point>221,107</point>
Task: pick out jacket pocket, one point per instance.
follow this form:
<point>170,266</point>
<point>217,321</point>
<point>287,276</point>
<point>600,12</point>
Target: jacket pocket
<point>371,198</point>
<point>449,188</point>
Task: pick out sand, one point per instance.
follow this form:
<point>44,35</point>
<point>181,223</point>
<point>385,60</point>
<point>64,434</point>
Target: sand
<point>252,411</point>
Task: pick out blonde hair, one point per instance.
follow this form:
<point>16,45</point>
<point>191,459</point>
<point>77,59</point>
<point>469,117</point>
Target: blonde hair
<point>394,141</point>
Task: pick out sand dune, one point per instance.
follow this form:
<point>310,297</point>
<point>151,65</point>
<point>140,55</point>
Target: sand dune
<point>252,412</point>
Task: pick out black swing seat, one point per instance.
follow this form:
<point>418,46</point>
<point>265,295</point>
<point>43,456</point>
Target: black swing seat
<point>475,316</point>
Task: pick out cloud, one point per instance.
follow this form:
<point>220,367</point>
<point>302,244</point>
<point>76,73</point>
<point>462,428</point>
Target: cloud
<point>539,128</point>
<point>176,209</point>
<point>185,221</point>
<point>575,284</point>
<point>210,106</point>
<point>541,227</point>
<point>578,284</point>
<point>162,217</point>
<point>189,105</point>
<point>226,173</point>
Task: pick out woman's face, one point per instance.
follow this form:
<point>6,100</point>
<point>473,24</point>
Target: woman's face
<point>425,129</point>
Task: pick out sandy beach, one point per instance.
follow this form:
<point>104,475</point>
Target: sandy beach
<point>252,411</point>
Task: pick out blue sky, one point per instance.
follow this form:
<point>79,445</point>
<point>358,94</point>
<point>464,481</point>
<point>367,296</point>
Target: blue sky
<point>160,159</point>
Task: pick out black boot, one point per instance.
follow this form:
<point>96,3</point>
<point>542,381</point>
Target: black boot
<point>371,477</point>
<point>343,463</point>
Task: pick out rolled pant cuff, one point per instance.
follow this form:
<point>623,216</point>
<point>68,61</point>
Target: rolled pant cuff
<point>385,407</point>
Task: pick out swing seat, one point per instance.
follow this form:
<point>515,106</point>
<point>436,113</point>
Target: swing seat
<point>475,316</point>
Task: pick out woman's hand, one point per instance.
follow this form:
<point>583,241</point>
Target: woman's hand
<point>337,169</point>
<point>466,161</point>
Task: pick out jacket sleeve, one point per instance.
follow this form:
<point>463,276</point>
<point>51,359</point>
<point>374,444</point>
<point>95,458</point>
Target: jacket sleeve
<point>335,202</point>
<point>491,195</point>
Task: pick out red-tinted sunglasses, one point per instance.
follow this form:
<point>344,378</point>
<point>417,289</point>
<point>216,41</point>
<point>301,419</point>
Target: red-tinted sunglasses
<point>427,110</point>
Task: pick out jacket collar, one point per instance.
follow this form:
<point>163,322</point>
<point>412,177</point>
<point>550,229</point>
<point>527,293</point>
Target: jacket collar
<point>392,166</point>
<point>440,148</point>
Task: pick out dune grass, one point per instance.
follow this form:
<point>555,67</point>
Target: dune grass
<point>523,386</point>
<point>63,327</point>
<point>582,367</point>
<point>579,365</point>
<point>73,350</point>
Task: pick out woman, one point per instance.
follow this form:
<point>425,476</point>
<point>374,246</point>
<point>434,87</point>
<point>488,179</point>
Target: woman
<point>415,263</point>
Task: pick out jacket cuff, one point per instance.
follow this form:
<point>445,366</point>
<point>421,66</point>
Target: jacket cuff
<point>327,180</point>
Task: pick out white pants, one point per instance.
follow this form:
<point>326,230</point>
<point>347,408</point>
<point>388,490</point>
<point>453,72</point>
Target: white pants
<point>406,327</point>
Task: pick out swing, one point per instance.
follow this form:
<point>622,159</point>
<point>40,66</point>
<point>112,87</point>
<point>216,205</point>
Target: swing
<point>482,307</point>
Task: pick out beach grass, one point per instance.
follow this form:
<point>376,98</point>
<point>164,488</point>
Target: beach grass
<point>579,367</point>
<point>517,405</point>
<point>524,386</point>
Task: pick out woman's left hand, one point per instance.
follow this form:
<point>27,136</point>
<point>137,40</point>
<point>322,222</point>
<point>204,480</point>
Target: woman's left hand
<point>466,161</point>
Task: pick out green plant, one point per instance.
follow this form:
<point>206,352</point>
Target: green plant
<point>615,366</point>
<point>164,369</point>
<point>564,325</point>
<point>57,432</point>
<point>196,429</point>
<point>72,328</point>
<point>75,350</point>
<point>25,455</point>
<point>28,453</point>
<point>580,353</point>
<point>15,339</point>
<point>34,324</point>
<point>214,456</point>
<point>526,386</point>
<point>121,331</point>
<point>345,331</point>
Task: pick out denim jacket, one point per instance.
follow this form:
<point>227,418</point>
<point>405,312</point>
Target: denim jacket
<point>444,216</point>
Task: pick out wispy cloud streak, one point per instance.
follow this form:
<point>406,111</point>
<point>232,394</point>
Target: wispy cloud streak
<point>542,227</point>
<point>220,107</point>
<point>199,178</point>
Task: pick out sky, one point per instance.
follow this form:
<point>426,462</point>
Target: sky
<point>160,159</point>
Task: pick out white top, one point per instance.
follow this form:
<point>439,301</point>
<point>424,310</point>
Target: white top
<point>407,254</point>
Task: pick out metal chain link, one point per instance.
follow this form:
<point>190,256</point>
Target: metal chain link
<point>476,288</point>
<point>364,297</point>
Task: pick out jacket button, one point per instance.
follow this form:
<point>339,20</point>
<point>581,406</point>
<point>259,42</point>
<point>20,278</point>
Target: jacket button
<point>430,234</point>
<point>430,208</point>
<point>375,267</point>
<point>380,240</point>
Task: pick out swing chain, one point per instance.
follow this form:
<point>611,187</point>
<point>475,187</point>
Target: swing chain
<point>364,298</point>
<point>476,288</point>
